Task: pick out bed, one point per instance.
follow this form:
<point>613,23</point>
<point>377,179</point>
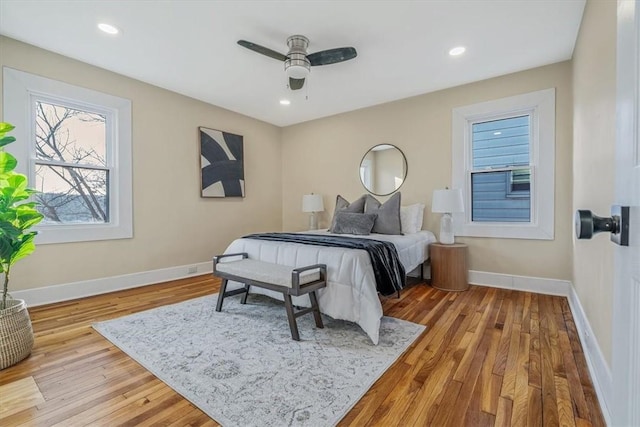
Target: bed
<point>351,286</point>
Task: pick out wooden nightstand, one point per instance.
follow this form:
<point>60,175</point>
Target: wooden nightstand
<point>449,271</point>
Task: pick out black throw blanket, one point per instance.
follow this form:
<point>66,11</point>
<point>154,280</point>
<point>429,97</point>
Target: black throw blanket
<point>387,268</point>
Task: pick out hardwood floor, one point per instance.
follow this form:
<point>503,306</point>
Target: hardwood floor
<point>489,357</point>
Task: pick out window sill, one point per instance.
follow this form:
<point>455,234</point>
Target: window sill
<point>82,233</point>
<point>505,231</point>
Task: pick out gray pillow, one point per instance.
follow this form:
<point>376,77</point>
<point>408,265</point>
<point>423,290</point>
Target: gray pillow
<point>388,219</point>
<point>342,205</point>
<point>354,223</point>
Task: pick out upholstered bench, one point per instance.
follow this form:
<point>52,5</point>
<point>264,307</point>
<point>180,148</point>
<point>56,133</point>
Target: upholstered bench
<point>287,280</point>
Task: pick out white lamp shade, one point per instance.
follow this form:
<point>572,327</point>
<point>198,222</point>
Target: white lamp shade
<point>312,203</point>
<point>447,201</point>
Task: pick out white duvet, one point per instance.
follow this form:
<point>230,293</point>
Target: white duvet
<point>351,287</point>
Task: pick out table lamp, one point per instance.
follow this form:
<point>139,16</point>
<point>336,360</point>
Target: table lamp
<point>447,201</point>
<point>312,203</point>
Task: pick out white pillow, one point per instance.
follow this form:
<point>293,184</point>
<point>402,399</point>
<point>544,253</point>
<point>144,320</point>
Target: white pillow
<point>411,218</point>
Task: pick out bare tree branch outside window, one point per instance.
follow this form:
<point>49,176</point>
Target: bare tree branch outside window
<point>72,175</point>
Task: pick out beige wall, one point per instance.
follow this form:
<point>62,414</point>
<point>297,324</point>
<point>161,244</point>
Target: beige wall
<point>322,156</point>
<point>594,104</point>
<point>172,224</point>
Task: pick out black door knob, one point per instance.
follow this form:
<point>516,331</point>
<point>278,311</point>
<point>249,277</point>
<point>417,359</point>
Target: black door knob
<point>587,224</point>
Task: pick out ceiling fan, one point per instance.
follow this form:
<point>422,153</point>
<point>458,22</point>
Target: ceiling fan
<point>297,63</point>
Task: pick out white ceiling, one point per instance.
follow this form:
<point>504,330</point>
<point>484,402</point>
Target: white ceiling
<point>189,46</point>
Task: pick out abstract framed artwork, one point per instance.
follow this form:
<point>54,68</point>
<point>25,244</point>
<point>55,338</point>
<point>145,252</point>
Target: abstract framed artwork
<point>221,164</point>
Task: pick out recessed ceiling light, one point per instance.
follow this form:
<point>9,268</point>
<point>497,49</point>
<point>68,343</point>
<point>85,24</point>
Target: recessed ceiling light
<point>285,102</point>
<point>457,51</point>
<point>108,28</point>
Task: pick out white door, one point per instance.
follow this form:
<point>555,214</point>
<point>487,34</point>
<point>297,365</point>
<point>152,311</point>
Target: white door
<point>626,305</point>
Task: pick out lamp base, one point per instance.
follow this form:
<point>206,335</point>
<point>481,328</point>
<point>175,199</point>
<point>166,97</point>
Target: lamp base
<point>446,230</point>
<point>313,221</point>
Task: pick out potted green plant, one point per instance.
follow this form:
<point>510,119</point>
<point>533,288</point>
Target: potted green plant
<point>17,216</point>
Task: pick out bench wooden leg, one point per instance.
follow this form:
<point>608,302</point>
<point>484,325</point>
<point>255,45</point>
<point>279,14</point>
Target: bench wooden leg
<point>316,309</point>
<point>292,317</point>
<point>246,294</point>
<point>223,289</point>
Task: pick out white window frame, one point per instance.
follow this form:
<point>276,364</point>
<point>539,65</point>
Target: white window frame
<point>20,91</point>
<point>540,106</point>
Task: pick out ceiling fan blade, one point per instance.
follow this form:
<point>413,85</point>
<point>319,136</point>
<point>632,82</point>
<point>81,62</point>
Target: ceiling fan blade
<point>263,50</point>
<point>295,84</point>
<point>331,56</point>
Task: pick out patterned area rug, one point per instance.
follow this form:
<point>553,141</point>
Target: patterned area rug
<point>242,368</point>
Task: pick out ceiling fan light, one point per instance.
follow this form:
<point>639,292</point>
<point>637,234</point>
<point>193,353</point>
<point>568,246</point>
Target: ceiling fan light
<point>297,72</point>
<point>297,66</point>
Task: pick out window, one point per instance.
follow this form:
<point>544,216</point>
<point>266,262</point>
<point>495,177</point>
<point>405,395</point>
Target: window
<point>75,146</point>
<point>519,183</point>
<point>71,169</point>
<point>499,148</point>
<point>503,160</point>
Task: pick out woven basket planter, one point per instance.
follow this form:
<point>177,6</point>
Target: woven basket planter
<point>16,334</point>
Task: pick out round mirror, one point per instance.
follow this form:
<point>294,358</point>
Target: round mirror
<point>383,169</point>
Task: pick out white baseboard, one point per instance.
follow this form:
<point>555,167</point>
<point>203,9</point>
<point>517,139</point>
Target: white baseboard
<point>87,288</point>
<point>538,285</point>
<point>598,367</point>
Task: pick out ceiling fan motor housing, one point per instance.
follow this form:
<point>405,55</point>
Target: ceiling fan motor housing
<point>297,65</point>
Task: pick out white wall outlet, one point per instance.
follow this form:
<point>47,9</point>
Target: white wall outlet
<point>192,270</point>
